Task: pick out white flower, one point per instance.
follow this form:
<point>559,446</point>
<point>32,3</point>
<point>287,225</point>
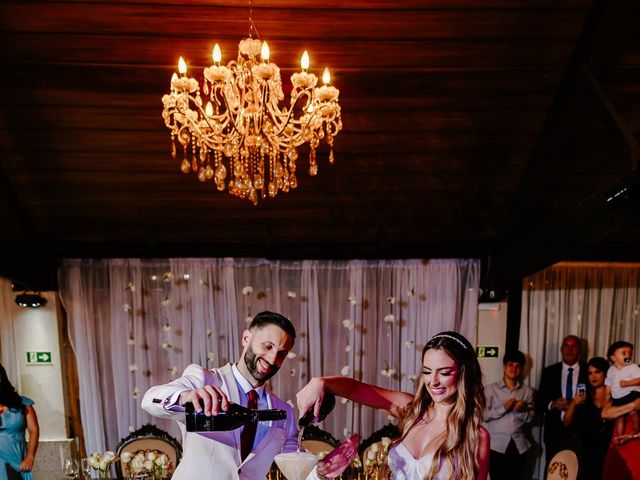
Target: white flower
<point>166,327</point>
<point>375,447</point>
<point>248,290</point>
<point>346,432</point>
<point>166,346</point>
<point>412,378</point>
<point>389,318</point>
<point>209,332</point>
<point>127,308</point>
<point>391,418</point>
<point>167,276</point>
<point>345,370</point>
<point>409,343</point>
<point>411,293</point>
<point>148,465</point>
<point>291,354</point>
<point>151,455</point>
<point>291,294</point>
<point>348,348</point>
<point>166,302</point>
<point>162,460</point>
<point>131,341</point>
<point>292,372</point>
<point>133,367</point>
<point>388,372</point>
<point>132,429</point>
<point>93,463</point>
<point>131,287</point>
<point>348,324</point>
<point>136,393</point>
<point>344,400</point>
<point>203,283</point>
<point>137,463</point>
<point>391,300</point>
<point>174,370</point>
<point>248,319</point>
<point>109,456</point>
<point>352,299</point>
<point>211,356</point>
<point>385,442</point>
<point>103,464</point>
<point>126,457</point>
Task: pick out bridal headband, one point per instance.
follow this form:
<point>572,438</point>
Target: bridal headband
<point>451,337</point>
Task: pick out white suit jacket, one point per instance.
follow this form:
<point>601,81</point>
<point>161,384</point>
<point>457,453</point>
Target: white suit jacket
<point>216,455</point>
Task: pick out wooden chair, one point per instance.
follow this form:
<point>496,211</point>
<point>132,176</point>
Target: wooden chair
<point>149,437</point>
<point>563,466</point>
<point>316,440</point>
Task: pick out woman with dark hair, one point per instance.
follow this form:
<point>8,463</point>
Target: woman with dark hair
<point>442,437</point>
<point>584,415</point>
<point>16,416</point>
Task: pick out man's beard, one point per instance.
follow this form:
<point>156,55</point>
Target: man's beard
<point>251,361</point>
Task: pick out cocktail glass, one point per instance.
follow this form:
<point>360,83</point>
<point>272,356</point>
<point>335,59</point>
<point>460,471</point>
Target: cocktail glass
<point>296,465</point>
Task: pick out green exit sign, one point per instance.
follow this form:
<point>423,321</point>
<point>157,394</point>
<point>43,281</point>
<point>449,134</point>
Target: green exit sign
<point>487,352</point>
<point>39,358</point>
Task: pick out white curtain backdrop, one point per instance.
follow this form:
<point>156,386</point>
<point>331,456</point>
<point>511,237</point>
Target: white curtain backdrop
<point>8,356</point>
<point>136,323</point>
<point>598,302</point>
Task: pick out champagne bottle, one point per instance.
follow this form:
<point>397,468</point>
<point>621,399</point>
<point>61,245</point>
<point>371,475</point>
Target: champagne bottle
<point>328,402</point>
<point>235,417</point>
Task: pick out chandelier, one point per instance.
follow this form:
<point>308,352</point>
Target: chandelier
<point>234,131</point>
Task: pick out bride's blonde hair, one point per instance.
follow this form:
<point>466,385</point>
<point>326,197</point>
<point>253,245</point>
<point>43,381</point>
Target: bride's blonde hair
<point>457,456</point>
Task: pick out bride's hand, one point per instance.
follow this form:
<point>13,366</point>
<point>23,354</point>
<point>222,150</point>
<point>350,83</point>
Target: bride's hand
<point>310,397</point>
<point>339,458</point>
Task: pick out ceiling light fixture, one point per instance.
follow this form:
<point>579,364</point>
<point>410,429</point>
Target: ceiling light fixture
<point>30,300</point>
<point>236,129</point>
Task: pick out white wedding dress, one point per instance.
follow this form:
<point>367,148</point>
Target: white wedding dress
<point>404,466</point>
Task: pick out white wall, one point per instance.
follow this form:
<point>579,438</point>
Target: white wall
<point>492,331</point>
<point>37,329</point>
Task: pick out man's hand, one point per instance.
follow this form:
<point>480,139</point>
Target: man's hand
<point>339,458</point>
<point>509,404</point>
<point>560,404</point>
<point>521,406</point>
<point>213,400</point>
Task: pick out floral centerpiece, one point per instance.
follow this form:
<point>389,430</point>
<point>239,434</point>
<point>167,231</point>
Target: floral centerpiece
<point>102,463</point>
<point>150,462</point>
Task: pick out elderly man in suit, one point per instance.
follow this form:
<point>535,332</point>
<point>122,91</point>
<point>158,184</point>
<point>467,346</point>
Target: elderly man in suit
<point>244,454</point>
<point>558,385</point>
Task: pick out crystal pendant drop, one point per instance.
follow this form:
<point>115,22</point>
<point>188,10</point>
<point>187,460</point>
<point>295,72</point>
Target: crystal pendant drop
<point>185,166</point>
<point>293,181</point>
<point>202,174</point>
<point>209,172</point>
<point>313,169</point>
<point>331,157</point>
<point>272,189</point>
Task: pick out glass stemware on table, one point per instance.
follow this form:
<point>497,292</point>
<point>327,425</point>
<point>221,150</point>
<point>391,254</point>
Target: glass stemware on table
<point>70,468</point>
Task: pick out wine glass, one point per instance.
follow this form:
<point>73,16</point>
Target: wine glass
<point>70,468</point>
<point>85,467</point>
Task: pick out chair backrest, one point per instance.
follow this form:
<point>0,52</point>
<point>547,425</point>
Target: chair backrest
<point>149,437</point>
<point>318,441</point>
<point>563,466</point>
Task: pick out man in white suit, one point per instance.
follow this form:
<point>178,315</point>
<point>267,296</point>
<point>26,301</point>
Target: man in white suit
<point>219,455</point>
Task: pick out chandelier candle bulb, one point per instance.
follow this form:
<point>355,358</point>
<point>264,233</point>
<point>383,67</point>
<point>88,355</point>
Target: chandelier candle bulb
<point>326,76</point>
<point>217,55</point>
<point>182,66</point>
<point>264,52</point>
<point>304,61</point>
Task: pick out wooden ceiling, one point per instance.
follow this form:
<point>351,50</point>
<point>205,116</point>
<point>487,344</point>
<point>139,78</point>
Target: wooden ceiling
<point>500,130</point>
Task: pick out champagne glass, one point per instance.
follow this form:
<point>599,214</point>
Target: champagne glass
<point>85,467</point>
<point>296,465</point>
<point>70,468</point>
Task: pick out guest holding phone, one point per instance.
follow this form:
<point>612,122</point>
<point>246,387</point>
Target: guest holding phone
<point>584,416</point>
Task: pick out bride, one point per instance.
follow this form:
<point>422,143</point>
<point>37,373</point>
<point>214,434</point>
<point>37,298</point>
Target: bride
<point>442,437</point>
